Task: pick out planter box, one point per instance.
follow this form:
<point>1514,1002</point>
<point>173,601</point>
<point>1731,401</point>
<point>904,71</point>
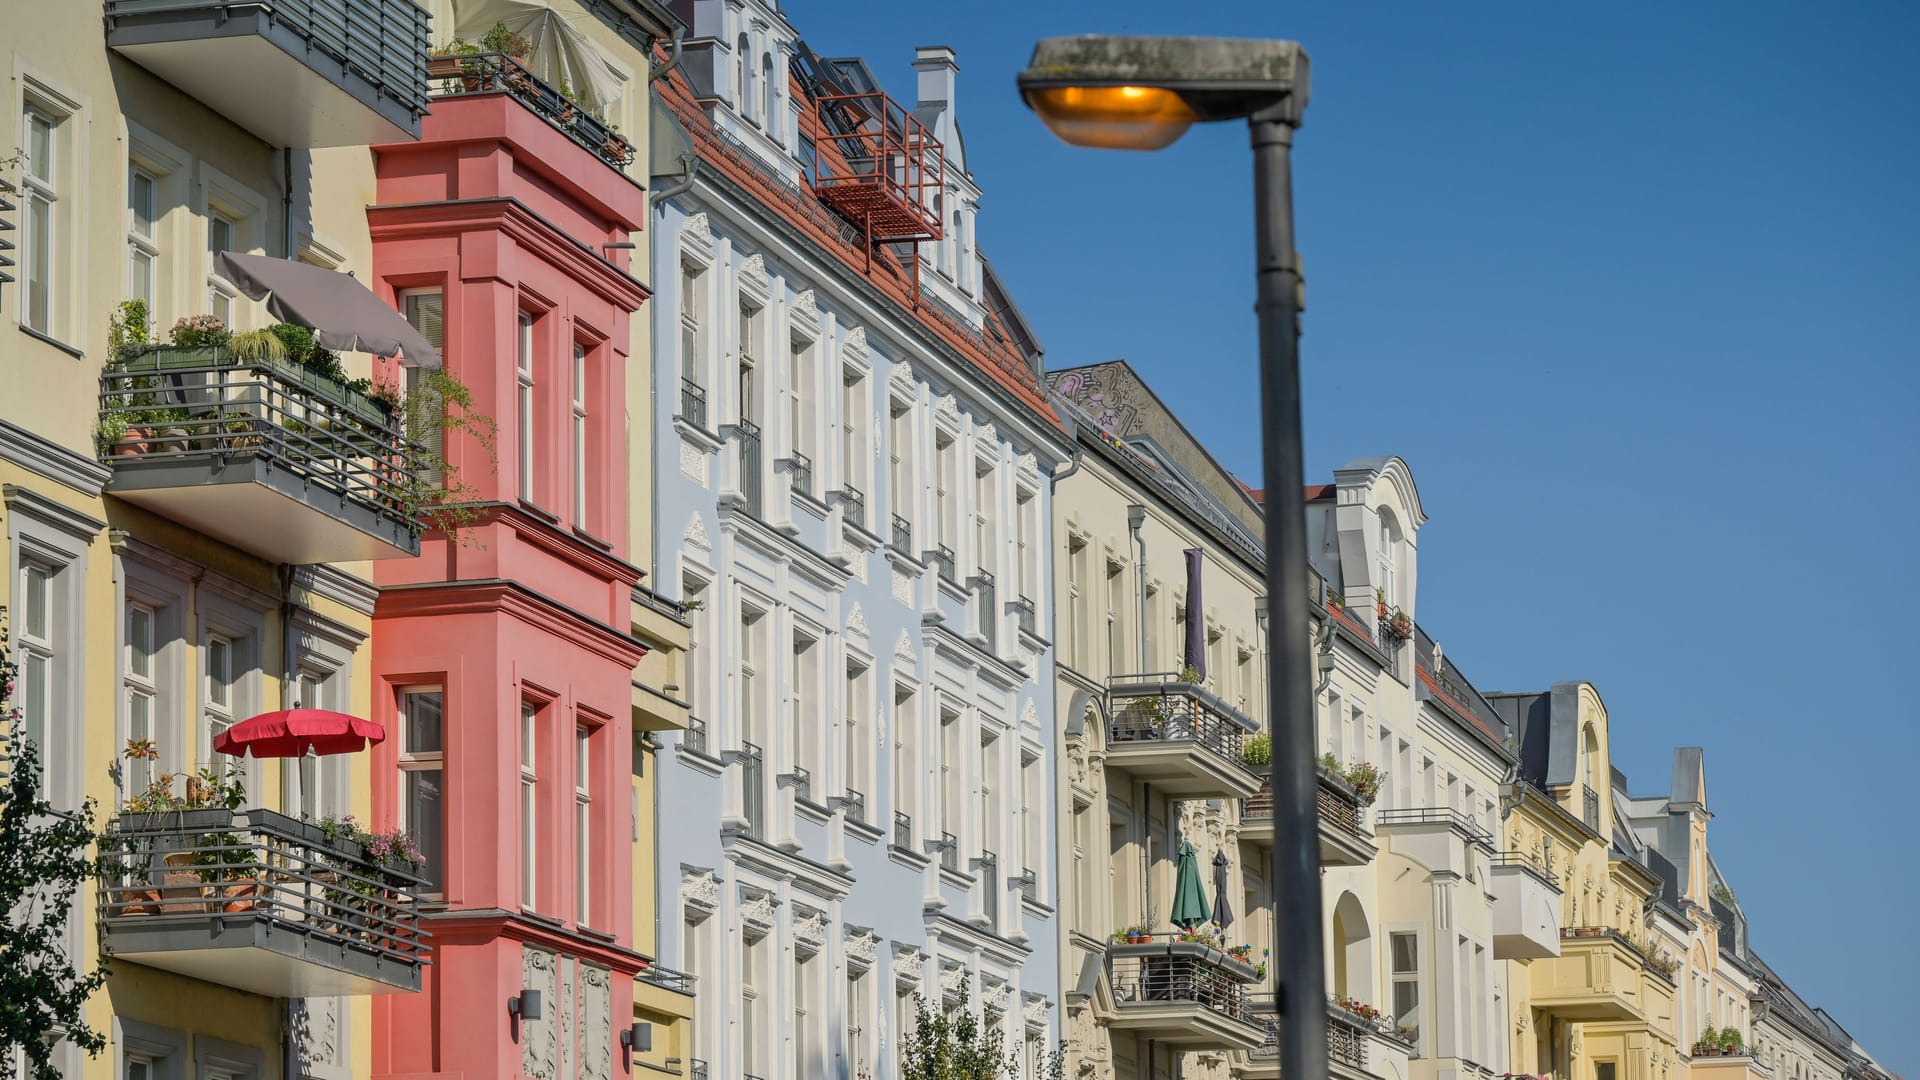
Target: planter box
<point>160,359</point>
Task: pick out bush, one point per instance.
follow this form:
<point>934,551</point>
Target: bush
<point>1257,751</point>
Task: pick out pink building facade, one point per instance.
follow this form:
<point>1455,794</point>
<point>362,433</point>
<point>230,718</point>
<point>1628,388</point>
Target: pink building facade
<point>503,668</point>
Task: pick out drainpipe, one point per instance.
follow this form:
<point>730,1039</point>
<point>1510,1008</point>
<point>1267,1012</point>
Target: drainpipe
<point>1136,517</point>
<point>684,184</point>
<point>286,202</point>
<point>661,70</point>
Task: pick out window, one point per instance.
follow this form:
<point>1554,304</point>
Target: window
<point>742,75</point>
<point>1116,604</point>
<point>1027,549</point>
<point>423,759</point>
<point>900,456</point>
<point>749,391</point>
<point>803,407</point>
<point>583,824</point>
<point>904,1018</point>
<point>809,1012</point>
<point>143,253</point>
<point>1405,949</point>
<point>42,178</point>
<point>140,1067</point>
<point>860,1054</point>
<point>1076,603</point>
<point>1388,583</point>
<point>986,537</point>
<point>142,692</point>
<point>1335,711</point>
<point>771,86</point>
<point>859,740</point>
<point>523,404</point>
<point>946,492</point>
<point>853,431</point>
<point>905,757</point>
<point>579,442</point>
<point>529,804</point>
<point>1086,900</point>
<point>952,776</point>
<point>694,595</point>
<point>805,720</point>
<point>36,660</point>
<point>755,1030</point>
<point>692,302</point>
<point>426,310</point>
<point>218,692</point>
<point>303,780</point>
<point>220,292</point>
<point>1033,816</point>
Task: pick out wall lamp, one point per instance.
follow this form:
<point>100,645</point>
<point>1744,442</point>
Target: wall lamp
<point>527,1006</point>
<point>637,1039</point>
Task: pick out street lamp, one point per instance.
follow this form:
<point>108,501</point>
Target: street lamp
<point>1142,93</point>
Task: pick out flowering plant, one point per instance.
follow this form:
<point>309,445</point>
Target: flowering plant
<point>194,330</point>
<point>1359,1008</point>
<point>209,788</point>
<point>384,845</point>
<point>1399,627</point>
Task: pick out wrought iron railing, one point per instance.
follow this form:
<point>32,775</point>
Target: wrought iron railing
<point>1149,708</point>
<point>693,403</point>
<point>942,557</point>
<point>1030,885</point>
<point>1179,972</point>
<point>1590,804</point>
<point>697,1070</point>
<point>800,473</point>
<point>988,608</point>
<point>902,537</point>
<point>487,73</point>
<point>182,868</point>
<point>853,505</point>
<point>1029,618</point>
<point>1339,806</point>
<point>902,830</point>
<point>1437,815</point>
<point>949,846</point>
<point>1535,866</point>
<point>174,405</point>
<point>747,438</point>
<point>695,738</point>
<point>668,978</point>
<point>753,790</point>
<point>854,804</point>
<point>802,779</point>
<point>1347,1033</point>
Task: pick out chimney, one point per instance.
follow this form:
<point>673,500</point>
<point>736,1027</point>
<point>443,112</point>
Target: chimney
<point>936,69</point>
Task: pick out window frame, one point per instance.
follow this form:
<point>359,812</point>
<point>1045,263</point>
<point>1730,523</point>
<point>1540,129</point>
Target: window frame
<point>529,759</point>
<point>41,188</point>
<point>583,735</point>
<point>526,407</point>
<point>413,760</point>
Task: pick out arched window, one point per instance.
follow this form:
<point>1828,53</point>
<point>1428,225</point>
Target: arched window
<point>771,117</point>
<point>1389,559</point>
<point>742,76</point>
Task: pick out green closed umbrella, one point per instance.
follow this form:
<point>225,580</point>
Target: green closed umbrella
<point>1190,907</point>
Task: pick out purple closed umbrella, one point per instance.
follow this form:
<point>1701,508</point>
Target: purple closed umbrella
<point>343,313</point>
<point>1196,616</point>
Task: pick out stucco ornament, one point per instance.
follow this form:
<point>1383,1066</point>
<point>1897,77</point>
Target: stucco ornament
<point>1027,464</point>
<point>903,649</point>
<point>755,268</point>
<point>861,946</point>
<point>758,911</point>
<point>804,303</point>
<point>693,463</point>
<point>811,929</point>
<point>316,1037</point>
<point>539,1041</point>
<point>997,996</point>
<point>903,586</point>
<point>856,341</point>
<point>700,889</point>
<point>952,979</point>
<point>908,965</point>
<point>1029,715</point>
<point>697,229</point>
<point>947,408</point>
<point>900,379</point>
<point>857,621</point>
<point>696,534</point>
<point>1035,1012</point>
<point>596,1016</point>
<point>987,434</point>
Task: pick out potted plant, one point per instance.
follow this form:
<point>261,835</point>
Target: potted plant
<point>1366,778</point>
<point>1708,1043</point>
<point>1257,752</point>
<point>1730,1042</point>
<point>186,874</point>
<point>499,39</point>
<point>1398,626</point>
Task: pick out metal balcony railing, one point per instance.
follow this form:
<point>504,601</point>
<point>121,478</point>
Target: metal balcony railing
<point>182,881</point>
<point>853,505</point>
<point>802,780</point>
<point>1347,1033</point>
<point>697,1070</point>
<point>1160,706</point>
<point>1024,610</point>
<point>1030,885</point>
<point>693,403</point>
<point>1160,974</point>
<point>179,406</point>
<point>988,871</point>
<point>695,739</point>
<point>1534,866</point>
<point>988,608</point>
<point>902,830</point>
<point>667,978</point>
<point>855,805</point>
<point>488,73</point>
<point>1590,803</point>
<point>1438,815</point>
<point>1338,806</point>
<point>949,846</point>
<point>800,473</point>
<point>942,557</point>
<point>902,538</point>
<point>752,485</point>
<point>753,788</point>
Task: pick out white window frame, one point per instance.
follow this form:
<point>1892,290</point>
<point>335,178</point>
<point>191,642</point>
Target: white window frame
<point>40,187</point>
<point>143,247</point>
<point>693,361</point>
<point>433,436</point>
<point>579,436</point>
<point>529,804</point>
<point>217,688</point>
<point>415,760</point>
<point>141,688</point>
<point>37,650</point>
<point>524,404</point>
<point>222,295</point>
<point>583,735</point>
<point>1397,978</point>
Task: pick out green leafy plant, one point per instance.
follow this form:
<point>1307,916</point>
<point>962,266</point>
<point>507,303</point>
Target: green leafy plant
<point>499,39</point>
<point>44,859</point>
<point>1257,752</point>
<point>1730,1041</point>
<point>1189,674</point>
<point>257,346</point>
<point>129,328</point>
<point>432,488</point>
<point>198,331</point>
<point>1723,894</point>
<point>1365,778</point>
<point>951,1043</point>
<point>1709,1039</point>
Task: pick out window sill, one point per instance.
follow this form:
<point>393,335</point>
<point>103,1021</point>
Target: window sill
<point>547,516</point>
<point>710,441</point>
<point>698,761</point>
<point>908,858</point>
<point>586,537</point>
<point>77,354</point>
<point>870,834</point>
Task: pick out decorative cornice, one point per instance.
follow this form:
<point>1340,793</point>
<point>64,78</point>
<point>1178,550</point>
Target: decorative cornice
<point>80,526</point>
<point>518,222</point>
<point>44,457</point>
<point>701,889</point>
<point>757,910</point>
<point>332,583</point>
<point>804,303</point>
<point>493,595</point>
<point>697,229</point>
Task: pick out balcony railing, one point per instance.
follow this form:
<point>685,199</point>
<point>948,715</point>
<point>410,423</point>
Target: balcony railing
<point>902,831</point>
<point>902,537</point>
<point>1590,805</point>
<point>1180,972</point>
<point>695,738</point>
<point>949,846</point>
<point>988,608</point>
<point>942,557</point>
<point>1438,815</point>
<point>802,780</point>
<point>693,403</point>
<point>1029,618</point>
<point>1161,707</point>
<point>853,506</point>
<point>747,437</point>
<point>1347,1033</point>
<point>667,978</point>
<point>800,473</point>
<point>854,804</point>
<point>753,789</point>
<point>988,871</point>
<point>1339,806</point>
<point>1030,885</point>
<point>346,72</point>
<point>259,901</point>
<point>493,73</point>
<point>697,1070</point>
<point>269,455</point>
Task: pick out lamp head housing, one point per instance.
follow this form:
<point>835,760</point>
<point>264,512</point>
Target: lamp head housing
<point>1142,93</point>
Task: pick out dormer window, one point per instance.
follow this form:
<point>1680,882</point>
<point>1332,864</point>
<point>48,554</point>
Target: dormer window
<point>1389,568</point>
<point>771,87</point>
<point>742,75</point>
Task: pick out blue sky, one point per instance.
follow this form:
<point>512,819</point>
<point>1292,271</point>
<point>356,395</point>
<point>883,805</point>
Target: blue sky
<point>1632,287</point>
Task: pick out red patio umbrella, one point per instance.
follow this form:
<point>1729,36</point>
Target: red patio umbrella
<point>292,732</point>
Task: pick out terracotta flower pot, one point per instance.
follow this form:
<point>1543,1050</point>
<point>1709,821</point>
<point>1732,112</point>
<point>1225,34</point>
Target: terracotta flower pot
<point>239,896</point>
<point>181,892</point>
<point>140,902</point>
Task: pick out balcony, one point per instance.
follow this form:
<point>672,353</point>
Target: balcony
<point>1437,837</point>
<point>268,457</point>
<point>746,436</point>
<point>1357,1048</point>
<point>1740,1066</point>
<point>1526,909</point>
<point>497,73</point>
<point>341,72</point>
<point>693,403</point>
<point>1177,736</point>
<point>1595,978</point>
<point>258,902</point>
<point>664,992</point>
<point>1184,994</point>
<point>1345,839</point>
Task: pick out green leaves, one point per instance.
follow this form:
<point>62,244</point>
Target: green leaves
<point>951,1043</point>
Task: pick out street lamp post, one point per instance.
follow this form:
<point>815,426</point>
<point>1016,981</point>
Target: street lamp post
<point>1138,93</point>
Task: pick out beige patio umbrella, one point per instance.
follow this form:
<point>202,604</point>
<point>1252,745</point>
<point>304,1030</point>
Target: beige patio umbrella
<point>561,53</point>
